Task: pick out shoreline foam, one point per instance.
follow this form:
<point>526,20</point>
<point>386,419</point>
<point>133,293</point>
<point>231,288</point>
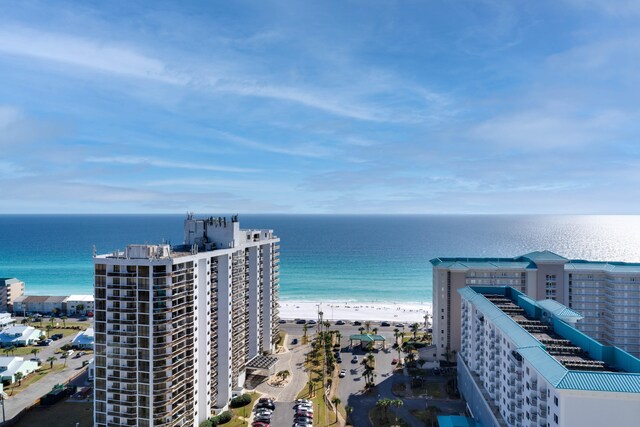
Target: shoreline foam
<point>375,311</point>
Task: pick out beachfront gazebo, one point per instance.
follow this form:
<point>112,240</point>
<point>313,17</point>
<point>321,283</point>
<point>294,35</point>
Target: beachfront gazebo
<point>367,339</point>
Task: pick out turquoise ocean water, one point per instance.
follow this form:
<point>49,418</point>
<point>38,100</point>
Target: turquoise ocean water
<point>323,257</point>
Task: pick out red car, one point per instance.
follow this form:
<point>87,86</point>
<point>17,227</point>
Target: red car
<point>259,424</point>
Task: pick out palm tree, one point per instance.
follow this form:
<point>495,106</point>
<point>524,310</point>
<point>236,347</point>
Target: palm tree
<point>375,331</point>
<point>361,329</point>
<point>304,330</point>
<point>336,401</point>
<point>12,349</point>
<point>64,321</point>
<point>19,376</point>
<point>415,328</point>
<point>35,352</point>
<point>367,324</point>
<point>396,332</point>
<point>371,359</point>
<point>79,308</point>
<point>51,360</point>
<point>398,404</point>
<point>284,375</point>
<point>49,328</point>
<point>384,405</point>
<point>6,350</point>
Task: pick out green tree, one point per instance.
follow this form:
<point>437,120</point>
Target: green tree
<point>367,325</point>
<point>51,359</point>
<point>384,405</point>
<point>6,351</point>
<point>414,329</point>
<point>35,351</point>
<point>49,328</point>
<point>19,376</point>
<point>336,401</point>
<point>361,329</point>
<point>64,321</point>
<point>80,308</point>
<point>375,331</point>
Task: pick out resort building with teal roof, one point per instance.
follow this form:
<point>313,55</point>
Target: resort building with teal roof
<point>523,363</point>
<point>605,294</point>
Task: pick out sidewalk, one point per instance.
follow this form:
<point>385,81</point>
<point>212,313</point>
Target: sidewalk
<point>13,405</point>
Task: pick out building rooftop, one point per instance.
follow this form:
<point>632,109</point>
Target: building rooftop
<point>40,299</point>
<point>543,334</point>
<point>6,281</point>
<point>87,298</point>
<point>528,261</point>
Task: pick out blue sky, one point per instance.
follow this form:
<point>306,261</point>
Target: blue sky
<point>320,107</point>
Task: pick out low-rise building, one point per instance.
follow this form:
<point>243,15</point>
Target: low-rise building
<point>79,304</point>
<point>6,320</point>
<point>10,366</point>
<point>43,304</point>
<point>83,340</point>
<point>19,336</point>
<point>522,363</point>
<point>10,289</point>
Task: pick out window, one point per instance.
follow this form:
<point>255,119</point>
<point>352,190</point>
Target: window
<point>555,418</point>
<point>555,400</point>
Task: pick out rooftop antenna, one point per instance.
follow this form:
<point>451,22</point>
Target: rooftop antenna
<point>94,251</point>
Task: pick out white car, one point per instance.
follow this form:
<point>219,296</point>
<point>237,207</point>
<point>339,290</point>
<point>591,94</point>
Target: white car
<point>299,401</point>
<point>343,373</point>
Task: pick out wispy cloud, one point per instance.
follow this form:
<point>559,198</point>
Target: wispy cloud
<point>97,55</point>
<point>170,164</point>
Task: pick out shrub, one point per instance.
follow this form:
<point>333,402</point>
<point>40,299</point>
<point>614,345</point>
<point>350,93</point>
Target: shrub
<point>206,423</point>
<point>224,417</point>
<point>240,401</point>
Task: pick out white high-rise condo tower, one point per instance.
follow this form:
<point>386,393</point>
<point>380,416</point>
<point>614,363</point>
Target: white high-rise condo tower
<point>178,327</point>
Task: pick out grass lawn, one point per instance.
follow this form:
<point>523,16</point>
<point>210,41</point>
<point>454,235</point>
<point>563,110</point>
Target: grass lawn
<point>428,417</point>
<point>22,351</point>
<point>241,415</point>
<point>60,414</point>
<point>32,378</point>
<point>323,416</point>
<point>434,390</point>
<point>379,419</point>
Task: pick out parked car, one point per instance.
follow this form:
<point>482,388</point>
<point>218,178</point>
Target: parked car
<point>69,353</point>
<point>304,401</point>
<point>394,362</point>
<point>294,341</point>
<point>338,359</point>
<point>300,322</point>
<point>385,324</point>
<point>57,336</point>
<point>303,420</point>
<point>399,325</point>
<point>266,403</point>
<point>259,424</point>
<point>82,319</point>
<point>343,373</point>
<point>282,321</point>
<point>304,413</point>
<point>44,343</point>
<point>340,322</point>
<point>357,323</point>
<point>263,419</point>
<point>355,359</point>
<point>311,322</point>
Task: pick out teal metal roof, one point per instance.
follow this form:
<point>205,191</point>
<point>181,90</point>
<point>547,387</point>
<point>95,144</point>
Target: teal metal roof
<point>611,267</point>
<point>481,263</point>
<point>559,310</point>
<point>367,337</point>
<point>601,381</point>
<point>542,256</point>
<point>528,261</point>
<point>457,421</point>
<point>535,352</point>
<point>543,362</point>
<point>504,322</point>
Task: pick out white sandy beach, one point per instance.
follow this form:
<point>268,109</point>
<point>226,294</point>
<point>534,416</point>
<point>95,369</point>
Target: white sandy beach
<point>376,311</point>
